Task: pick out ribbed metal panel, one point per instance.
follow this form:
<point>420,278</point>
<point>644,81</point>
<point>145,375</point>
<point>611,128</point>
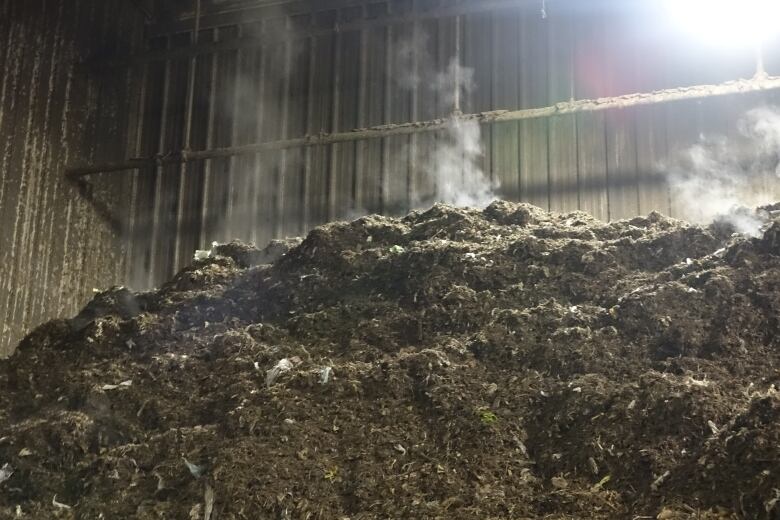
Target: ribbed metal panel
<point>340,69</point>
<point>56,245</point>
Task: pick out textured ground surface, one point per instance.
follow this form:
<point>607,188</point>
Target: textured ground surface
<point>453,364</point>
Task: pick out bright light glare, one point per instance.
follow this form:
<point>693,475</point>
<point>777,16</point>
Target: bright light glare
<point>728,23</point>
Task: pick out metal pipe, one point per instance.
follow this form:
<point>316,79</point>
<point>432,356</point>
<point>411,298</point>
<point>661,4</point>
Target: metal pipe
<point>158,174</point>
<point>191,80</point>
<point>307,160</point>
<point>360,148</point>
<point>280,220</point>
<point>411,179</point>
<point>137,138</point>
<point>741,86</point>
<point>238,92</point>
<point>760,68</point>
<point>258,166</point>
<point>456,108</point>
<point>334,124</point>
<point>210,118</point>
<point>387,115</point>
<point>180,210</point>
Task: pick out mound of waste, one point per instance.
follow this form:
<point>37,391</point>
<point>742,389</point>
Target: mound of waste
<point>452,364</point>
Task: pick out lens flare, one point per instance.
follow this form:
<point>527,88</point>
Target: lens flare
<point>727,23</point>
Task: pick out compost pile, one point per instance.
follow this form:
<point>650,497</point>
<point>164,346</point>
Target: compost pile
<point>452,364</point>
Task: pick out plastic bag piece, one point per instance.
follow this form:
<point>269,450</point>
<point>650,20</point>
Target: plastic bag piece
<point>325,375</point>
<point>284,365</point>
<point>6,472</point>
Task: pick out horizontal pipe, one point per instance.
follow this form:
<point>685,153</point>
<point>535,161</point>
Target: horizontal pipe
<point>742,86</point>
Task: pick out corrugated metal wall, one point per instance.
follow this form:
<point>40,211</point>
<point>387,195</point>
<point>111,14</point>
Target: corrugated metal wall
<point>342,68</point>
<point>304,68</point>
<point>55,244</point>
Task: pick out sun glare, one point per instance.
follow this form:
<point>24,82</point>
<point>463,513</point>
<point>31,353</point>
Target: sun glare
<point>727,23</point>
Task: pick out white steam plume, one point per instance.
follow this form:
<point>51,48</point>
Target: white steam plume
<point>719,177</point>
<point>454,165</point>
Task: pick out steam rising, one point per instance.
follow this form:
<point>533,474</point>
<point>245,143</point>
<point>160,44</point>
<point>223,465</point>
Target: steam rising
<point>718,178</point>
<point>454,166</point>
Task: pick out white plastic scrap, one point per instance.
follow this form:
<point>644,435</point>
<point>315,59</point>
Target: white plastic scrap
<point>660,480</point>
<point>196,511</point>
<point>703,383</point>
<point>123,384</point>
<point>284,365</point>
<point>770,504</point>
<point>195,470</point>
<point>203,254</point>
<point>59,505</point>
<point>208,497</point>
<point>6,472</point>
<point>25,452</point>
<point>325,373</point>
<point>713,427</point>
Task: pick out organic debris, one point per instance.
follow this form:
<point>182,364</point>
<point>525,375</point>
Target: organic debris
<point>6,472</point>
<point>452,364</point>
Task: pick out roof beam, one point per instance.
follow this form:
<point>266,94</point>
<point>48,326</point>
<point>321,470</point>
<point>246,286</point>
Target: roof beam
<point>248,12</point>
<point>339,26</point>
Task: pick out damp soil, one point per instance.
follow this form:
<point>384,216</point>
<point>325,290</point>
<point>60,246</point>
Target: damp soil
<point>451,364</point>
